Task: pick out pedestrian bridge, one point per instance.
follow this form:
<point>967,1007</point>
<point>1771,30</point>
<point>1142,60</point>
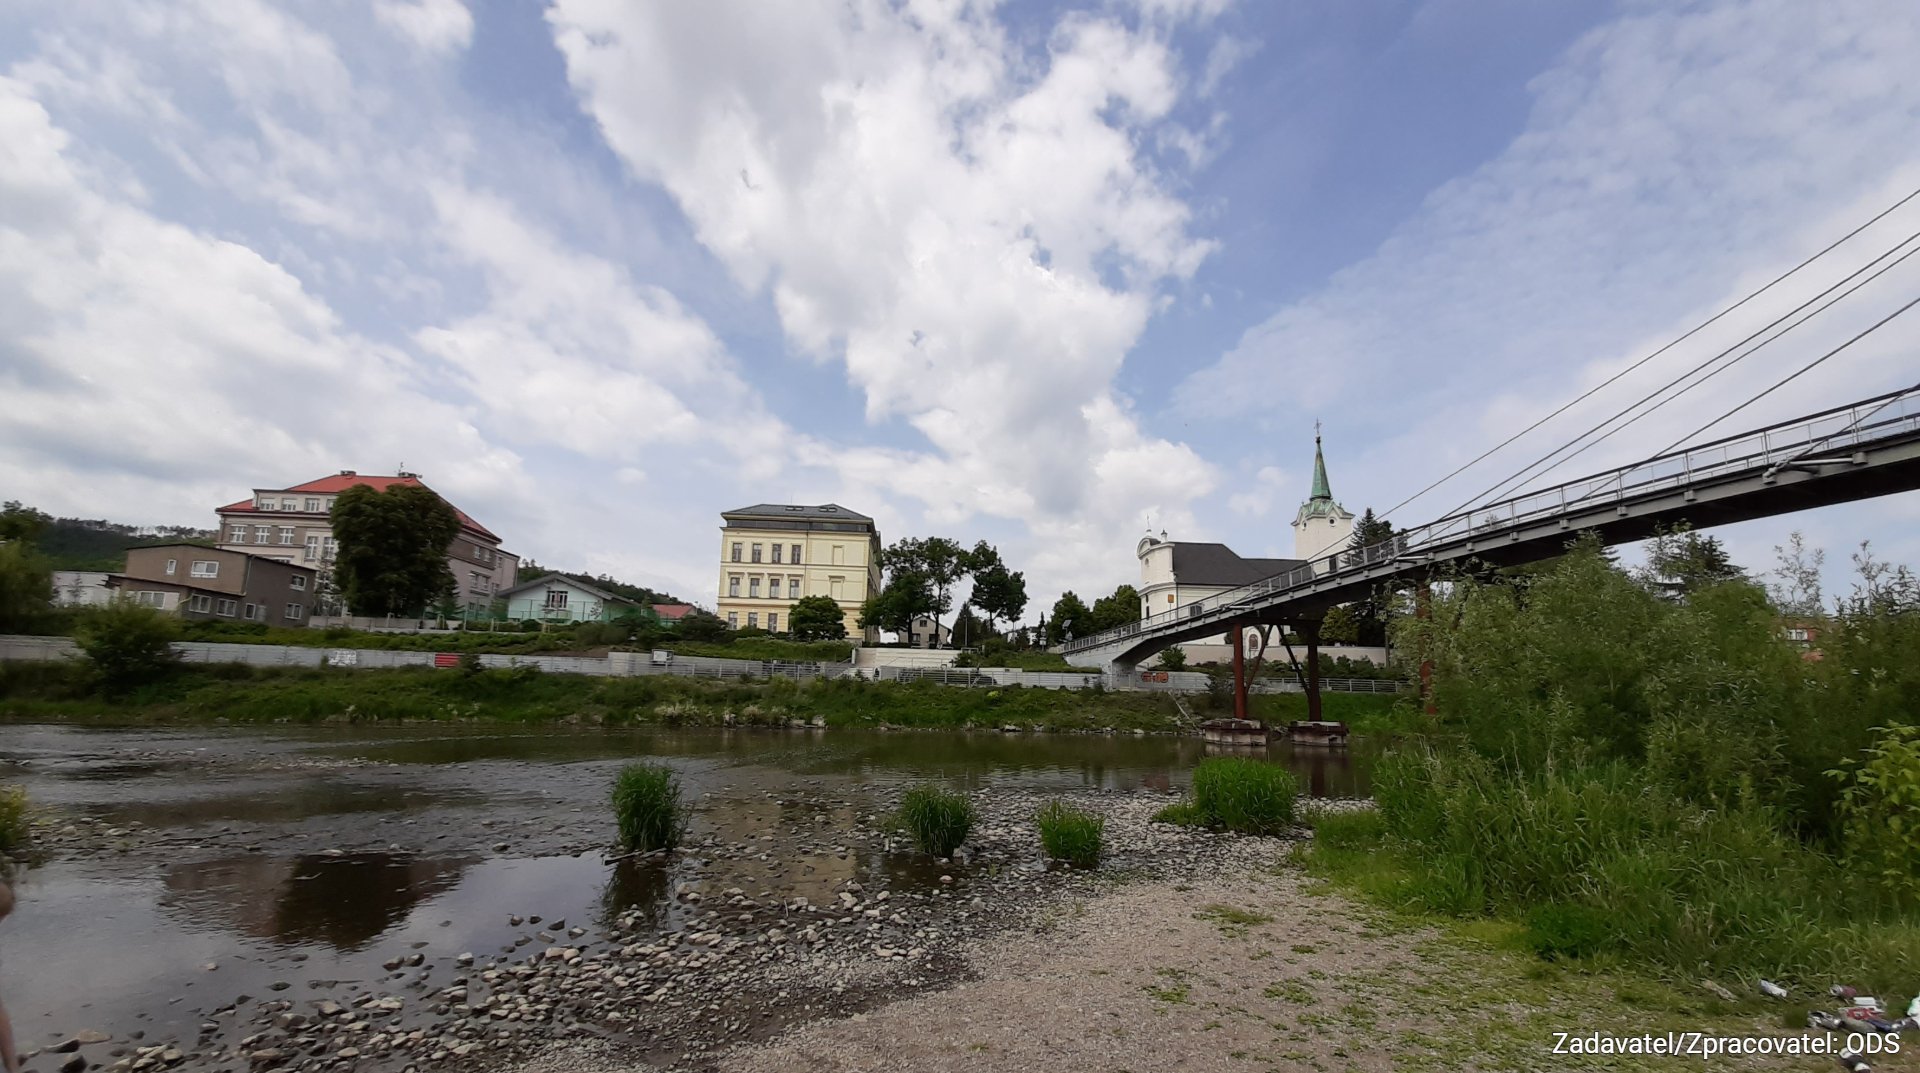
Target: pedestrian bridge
<point>1866,449</point>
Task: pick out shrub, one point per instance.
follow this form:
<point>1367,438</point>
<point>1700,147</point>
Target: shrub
<point>938,819</point>
<point>13,818</point>
<point>530,625</point>
<point>646,805</point>
<point>1880,811</point>
<point>128,645</point>
<point>1070,834</point>
<point>1249,796</point>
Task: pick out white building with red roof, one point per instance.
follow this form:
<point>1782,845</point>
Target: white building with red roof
<point>294,525</point>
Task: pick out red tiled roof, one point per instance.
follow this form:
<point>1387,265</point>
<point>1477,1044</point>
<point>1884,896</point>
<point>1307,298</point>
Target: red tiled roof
<point>340,482</point>
<point>672,612</point>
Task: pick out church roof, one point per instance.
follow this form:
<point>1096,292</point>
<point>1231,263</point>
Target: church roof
<point>1216,564</point>
<point>1320,504</point>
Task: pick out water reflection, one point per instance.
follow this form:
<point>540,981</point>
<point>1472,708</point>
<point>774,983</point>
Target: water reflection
<point>344,902</point>
<point>636,884</point>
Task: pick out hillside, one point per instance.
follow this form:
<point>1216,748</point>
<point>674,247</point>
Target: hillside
<point>98,544</point>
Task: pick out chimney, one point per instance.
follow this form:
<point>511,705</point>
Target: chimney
<point>348,473</point>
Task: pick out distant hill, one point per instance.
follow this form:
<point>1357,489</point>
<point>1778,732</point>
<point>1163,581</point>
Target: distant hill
<point>98,544</point>
<point>639,594</point>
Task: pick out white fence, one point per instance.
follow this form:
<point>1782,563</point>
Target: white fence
<point>633,664</point>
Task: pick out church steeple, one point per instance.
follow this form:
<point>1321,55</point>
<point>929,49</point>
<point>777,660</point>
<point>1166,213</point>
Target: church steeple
<point>1321,490</point>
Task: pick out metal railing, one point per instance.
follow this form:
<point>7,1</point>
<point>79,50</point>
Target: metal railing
<point>1776,446</point>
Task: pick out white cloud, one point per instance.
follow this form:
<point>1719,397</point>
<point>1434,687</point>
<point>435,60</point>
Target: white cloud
<point>1261,493</point>
<point>437,26</point>
<point>974,236</point>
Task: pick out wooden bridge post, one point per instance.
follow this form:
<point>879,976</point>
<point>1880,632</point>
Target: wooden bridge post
<point>1239,671</point>
<point>1310,630</point>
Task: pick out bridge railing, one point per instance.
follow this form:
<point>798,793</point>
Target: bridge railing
<point>1868,421</point>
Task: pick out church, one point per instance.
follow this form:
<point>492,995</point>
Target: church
<point>1175,573</point>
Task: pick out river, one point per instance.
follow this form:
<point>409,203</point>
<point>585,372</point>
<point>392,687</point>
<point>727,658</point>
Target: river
<point>193,869</point>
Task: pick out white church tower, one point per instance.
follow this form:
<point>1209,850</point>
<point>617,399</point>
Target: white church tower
<point>1322,525</point>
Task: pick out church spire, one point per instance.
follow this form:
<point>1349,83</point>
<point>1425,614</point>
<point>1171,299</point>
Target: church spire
<point>1321,490</point>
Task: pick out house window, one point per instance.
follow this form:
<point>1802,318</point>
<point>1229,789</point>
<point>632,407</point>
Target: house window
<point>286,534</point>
<point>733,620</point>
<point>200,603</point>
<point>313,548</point>
<point>773,622</point>
<point>296,611</point>
<point>796,555</point>
<point>150,599</point>
<point>263,503</point>
<point>756,553</point>
<point>237,534</point>
<point>263,534</point>
<point>733,585</point>
<point>753,620</point>
<point>226,607</point>
<point>252,612</point>
<point>287,504</point>
<point>793,588</point>
<point>173,567</point>
<point>204,568</point>
<point>1796,634</point>
<point>753,587</point>
<point>298,583</point>
<point>839,555</point>
<point>776,553</point>
<point>736,552</point>
<point>556,599</point>
<point>313,506</point>
<point>773,588</point>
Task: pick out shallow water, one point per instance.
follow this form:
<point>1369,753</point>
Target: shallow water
<point>309,857</point>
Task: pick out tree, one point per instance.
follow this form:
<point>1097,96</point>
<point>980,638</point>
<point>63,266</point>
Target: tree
<point>937,561</point>
<point>1071,618</point>
<point>392,558</point>
<point>816,618</point>
<point>999,593</point>
<point>969,630</point>
<point>908,595</point>
<point>1173,659</point>
<point>1341,626</point>
<point>22,523</point>
<point>703,627</point>
<point>128,644</point>
<point>1796,586</point>
<point>26,585</point>
<point>1367,532</point>
<point>1682,562</point>
<point>1116,610</point>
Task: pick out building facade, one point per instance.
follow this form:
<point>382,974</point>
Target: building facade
<point>195,581</point>
<point>558,598</point>
<point>772,554</point>
<point>294,525</point>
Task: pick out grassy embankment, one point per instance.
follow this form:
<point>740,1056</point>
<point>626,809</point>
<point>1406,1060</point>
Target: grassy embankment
<point>1616,779</point>
<point>201,693</point>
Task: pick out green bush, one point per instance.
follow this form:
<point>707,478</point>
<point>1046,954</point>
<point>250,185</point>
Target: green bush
<point>1880,809</point>
<point>1070,834</point>
<point>646,805</point>
<point>937,819</point>
<point>1249,796</point>
<point>128,645</point>
<point>1173,659</point>
<point>1181,814</point>
<point>13,819</point>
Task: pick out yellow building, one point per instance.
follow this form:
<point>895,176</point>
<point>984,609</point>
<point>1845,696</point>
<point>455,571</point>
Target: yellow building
<point>772,554</point>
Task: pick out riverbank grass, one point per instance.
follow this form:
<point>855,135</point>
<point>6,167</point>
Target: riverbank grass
<point>1251,797</point>
<point>1070,834</point>
<point>13,819</point>
<point>646,805</point>
<point>937,819</point>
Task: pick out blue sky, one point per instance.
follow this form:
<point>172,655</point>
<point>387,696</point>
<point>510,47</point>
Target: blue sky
<point>1042,274</point>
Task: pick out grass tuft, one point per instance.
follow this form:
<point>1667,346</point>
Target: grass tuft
<point>646,804</point>
<point>1181,814</point>
<point>13,818</point>
<point>1248,796</point>
<point>937,819</point>
<point>1070,834</point>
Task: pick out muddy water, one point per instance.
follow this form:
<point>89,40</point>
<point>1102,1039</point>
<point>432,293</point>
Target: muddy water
<point>194,869</point>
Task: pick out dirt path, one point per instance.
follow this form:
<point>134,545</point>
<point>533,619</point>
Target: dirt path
<point>1257,970</point>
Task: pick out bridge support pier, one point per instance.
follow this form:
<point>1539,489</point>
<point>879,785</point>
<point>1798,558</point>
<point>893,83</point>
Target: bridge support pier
<point>1310,632</point>
<point>1239,671</point>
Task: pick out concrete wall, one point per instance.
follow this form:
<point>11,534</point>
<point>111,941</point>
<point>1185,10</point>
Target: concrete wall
<point>871,658</point>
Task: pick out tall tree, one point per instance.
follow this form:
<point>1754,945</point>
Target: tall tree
<point>1795,587</point>
<point>21,522</point>
<point>1682,562</point>
<point>1118,609</point>
<point>26,585</point>
<point>1071,618</point>
<point>392,557</point>
<point>908,595</point>
<point>999,593</point>
<point>937,560</point>
<point>1367,532</point>
<point>817,618</point>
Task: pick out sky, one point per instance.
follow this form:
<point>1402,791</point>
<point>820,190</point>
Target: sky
<point>1048,275</point>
